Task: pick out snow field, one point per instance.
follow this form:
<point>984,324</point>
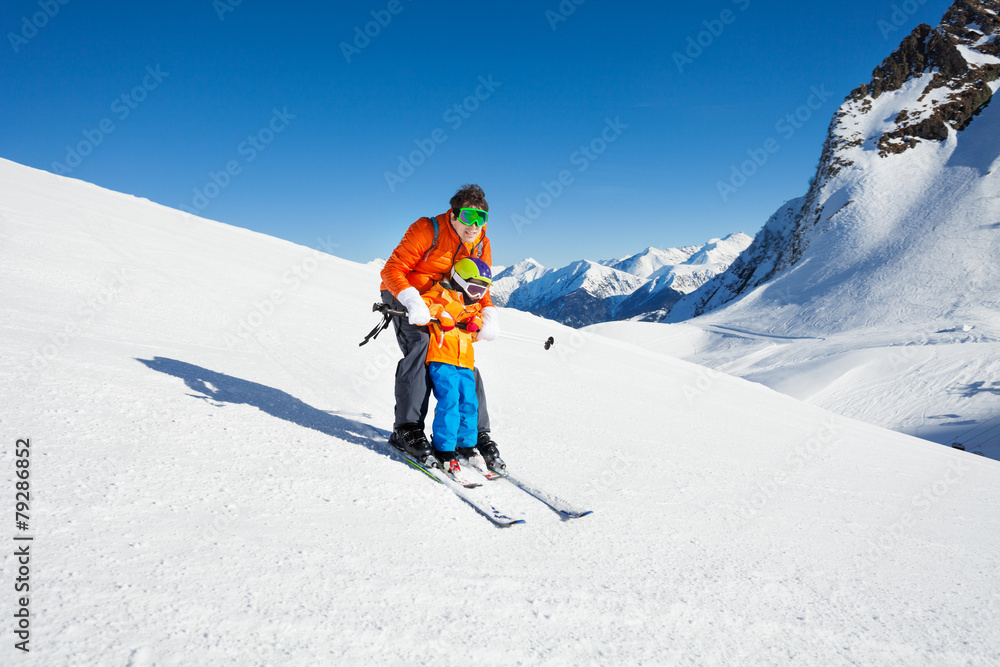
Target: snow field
<point>211,486</point>
<point>891,314</point>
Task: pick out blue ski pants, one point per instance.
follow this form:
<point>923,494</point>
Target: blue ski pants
<point>457,411</point>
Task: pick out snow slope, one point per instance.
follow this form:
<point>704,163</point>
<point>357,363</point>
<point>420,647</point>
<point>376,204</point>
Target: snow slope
<point>210,483</point>
<point>893,316</point>
<point>877,295</point>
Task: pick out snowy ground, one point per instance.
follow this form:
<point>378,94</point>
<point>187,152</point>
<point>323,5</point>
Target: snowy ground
<point>939,385</point>
<point>210,483</point>
<point>892,315</point>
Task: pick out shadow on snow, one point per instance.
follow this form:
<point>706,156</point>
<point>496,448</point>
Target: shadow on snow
<point>975,388</point>
<point>220,389</point>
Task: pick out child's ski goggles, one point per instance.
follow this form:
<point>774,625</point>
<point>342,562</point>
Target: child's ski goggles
<point>472,216</point>
<point>476,289</point>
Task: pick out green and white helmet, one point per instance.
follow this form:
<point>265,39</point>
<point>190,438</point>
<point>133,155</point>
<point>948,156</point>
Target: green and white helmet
<point>472,276</point>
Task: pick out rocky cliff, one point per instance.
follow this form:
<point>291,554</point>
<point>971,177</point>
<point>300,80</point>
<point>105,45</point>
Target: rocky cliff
<point>930,88</point>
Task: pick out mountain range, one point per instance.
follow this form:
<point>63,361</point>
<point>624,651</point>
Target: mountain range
<point>643,285</point>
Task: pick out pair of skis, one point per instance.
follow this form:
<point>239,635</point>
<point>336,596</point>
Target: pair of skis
<point>561,507</point>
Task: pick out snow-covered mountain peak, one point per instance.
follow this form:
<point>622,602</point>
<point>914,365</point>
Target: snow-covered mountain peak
<point>530,262</point>
<point>936,81</point>
<point>577,294</point>
<point>721,251</point>
<point>526,267</point>
<point>652,260</point>
<point>585,291</point>
<point>907,170</point>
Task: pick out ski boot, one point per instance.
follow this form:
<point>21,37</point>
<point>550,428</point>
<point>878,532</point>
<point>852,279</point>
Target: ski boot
<point>476,460</point>
<point>448,461</point>
<point>450,464</point>
<point>410,439</point>
<point>490,453</point>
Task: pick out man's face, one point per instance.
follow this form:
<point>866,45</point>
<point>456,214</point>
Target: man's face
<point>467,233</point>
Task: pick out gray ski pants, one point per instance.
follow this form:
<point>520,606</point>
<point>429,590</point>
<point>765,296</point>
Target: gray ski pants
<point>413,381</point>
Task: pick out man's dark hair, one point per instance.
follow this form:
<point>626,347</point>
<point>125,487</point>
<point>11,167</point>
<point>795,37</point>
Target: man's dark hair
<point>469,196</point>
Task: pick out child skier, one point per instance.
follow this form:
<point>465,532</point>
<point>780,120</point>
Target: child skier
<point>454,304</point>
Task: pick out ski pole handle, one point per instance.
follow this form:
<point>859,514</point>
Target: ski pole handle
<point>386,310</point>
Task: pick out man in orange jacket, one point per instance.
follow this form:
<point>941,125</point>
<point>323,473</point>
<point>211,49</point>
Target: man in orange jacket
<point>429,249</point>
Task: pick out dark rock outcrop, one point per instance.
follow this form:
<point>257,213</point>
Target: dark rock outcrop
<point>953,64</point>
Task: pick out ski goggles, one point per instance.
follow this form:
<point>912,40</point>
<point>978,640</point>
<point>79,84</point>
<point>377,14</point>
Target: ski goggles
<point>472,216</point>
<point>476,288</point>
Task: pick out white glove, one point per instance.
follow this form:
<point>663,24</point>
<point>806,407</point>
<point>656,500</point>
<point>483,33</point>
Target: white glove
<point>491,324</point>
<point>417,313</point>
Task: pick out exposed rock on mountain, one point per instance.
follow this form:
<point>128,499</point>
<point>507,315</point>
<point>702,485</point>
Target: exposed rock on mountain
<point>929,90</point>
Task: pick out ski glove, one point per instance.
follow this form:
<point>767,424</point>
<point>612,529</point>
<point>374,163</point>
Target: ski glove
<point>491,324</point>
<point>417,312</point>
<point>446,321</point>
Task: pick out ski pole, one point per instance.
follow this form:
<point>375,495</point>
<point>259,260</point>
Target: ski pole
<point>548,342</point>
<point>390,312</point>
<point>387,315</point>
<point>381,326</point>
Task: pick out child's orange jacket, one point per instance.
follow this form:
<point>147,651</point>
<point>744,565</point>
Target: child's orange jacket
<point>450,344</point>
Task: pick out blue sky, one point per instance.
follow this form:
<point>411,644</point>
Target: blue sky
<point>596,128</point>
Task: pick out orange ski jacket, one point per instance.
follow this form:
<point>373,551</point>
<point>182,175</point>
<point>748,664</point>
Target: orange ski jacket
<point>449,344</point>
<point>417,262</point>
